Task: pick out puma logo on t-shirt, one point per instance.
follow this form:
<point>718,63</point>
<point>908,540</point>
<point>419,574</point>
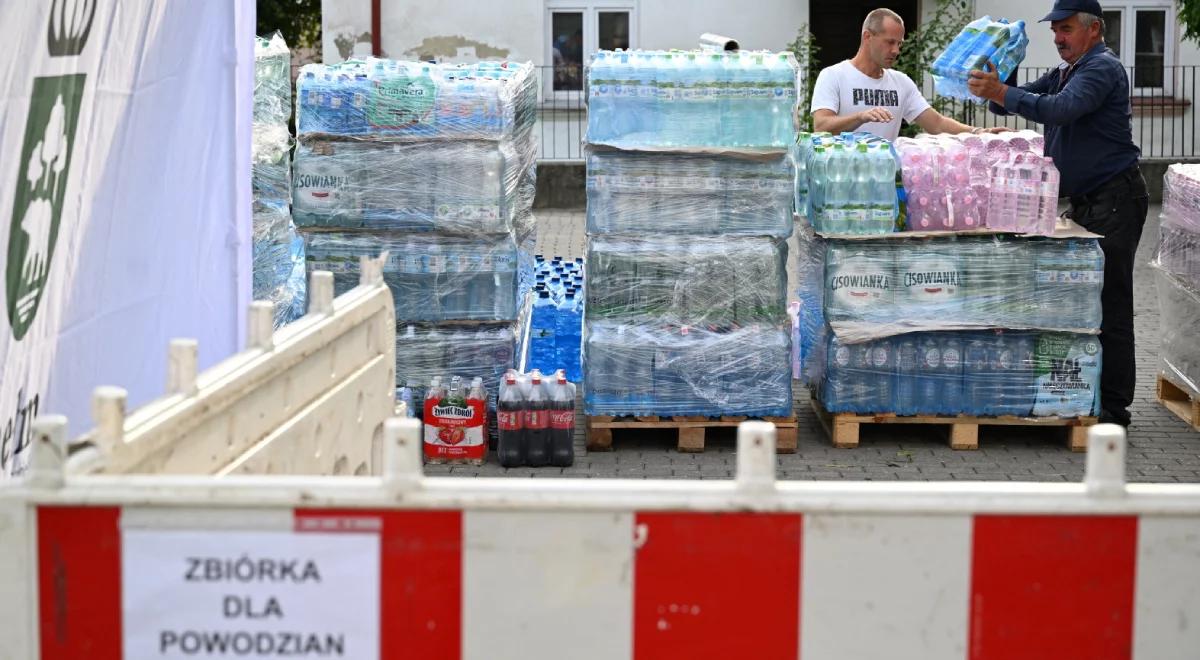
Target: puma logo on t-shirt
<point>877,97</point>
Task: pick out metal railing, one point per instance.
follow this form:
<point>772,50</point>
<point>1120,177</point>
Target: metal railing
<point>1164,121</point>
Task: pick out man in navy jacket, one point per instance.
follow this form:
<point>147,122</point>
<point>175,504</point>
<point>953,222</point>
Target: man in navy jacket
<point>1084,107</point>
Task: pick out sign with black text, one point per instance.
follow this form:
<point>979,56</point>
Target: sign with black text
<point>250,594</point>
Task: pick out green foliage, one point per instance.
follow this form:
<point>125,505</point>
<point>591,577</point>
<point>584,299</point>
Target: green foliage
<point>298,20</point>
<point>924,42</point>
<point>804,48</point>
<point>1189,17</point>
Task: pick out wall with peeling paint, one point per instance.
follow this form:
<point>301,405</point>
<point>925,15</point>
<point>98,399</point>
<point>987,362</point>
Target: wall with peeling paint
<point>345,29</point>
<point>463,30</point>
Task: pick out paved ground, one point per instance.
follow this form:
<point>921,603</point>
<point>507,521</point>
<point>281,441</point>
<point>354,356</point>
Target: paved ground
<point>1161,447</point>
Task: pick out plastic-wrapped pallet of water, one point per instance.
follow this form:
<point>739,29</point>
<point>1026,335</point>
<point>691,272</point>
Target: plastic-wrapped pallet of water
<point>391,100</point>
<point>709,281</point>
<point>1179,241</point>
<point>662,369</point>
<point>486,351</point>
<point>448,186</point>
<point>982,42</point>
<point>985,373</point>
<point>698,99</point>
<point>274,248</point>
<point>689,194</point>
<point>887,287</point>
<point>433,277</point>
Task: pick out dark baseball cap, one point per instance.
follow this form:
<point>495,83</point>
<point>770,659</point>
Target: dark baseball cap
<point>1068,8</point>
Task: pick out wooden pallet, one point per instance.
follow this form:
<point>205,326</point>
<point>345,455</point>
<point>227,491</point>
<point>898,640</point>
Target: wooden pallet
<point>964,430</point>
<point>1179,400</point>
<point>691,430</point>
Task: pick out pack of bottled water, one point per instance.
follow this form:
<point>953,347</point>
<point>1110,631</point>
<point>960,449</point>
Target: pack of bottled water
<point>689,194</point>
<point>884,287</point>
<point>275,249</point>
<point>985,373</point>
<point>686,99</point>
<point>556,317</point>
<point>393,100</point>
<point>971,182</point>
<point>703,280</point>
<point>1179,240</point>
<point>850,183</point>
<point>426,351</point>
<point>446,186</point>
<point>666,369</point>
<point>434,278</point>
<point>983,41</point>
<point>1179,352</point>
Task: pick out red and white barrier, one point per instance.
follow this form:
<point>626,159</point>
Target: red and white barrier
<point>748,568</point>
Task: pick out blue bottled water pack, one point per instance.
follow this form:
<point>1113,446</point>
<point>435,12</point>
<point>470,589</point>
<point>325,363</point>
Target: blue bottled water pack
<point>451,186</point>
<point>885,287</point>
<point>689,194</point>
<point>982,41</point>
<point>394,100</point>
<point>434,277</point>
<point>655,368</point>
<point>702,280</point>
<point>691,100</point>
<point>983,373</point>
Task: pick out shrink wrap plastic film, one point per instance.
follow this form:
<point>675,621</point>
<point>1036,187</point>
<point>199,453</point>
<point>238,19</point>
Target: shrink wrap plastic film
<point>982,42</point>
<point>653,368</point>
<point>878,288</point>
<point>1179,241</point>
<point>689,194</point>
<point>1179,354</point>
<point>275,248</point>
<point>984,373</point>
<point>697,100</point>
<point>434,277</point>
<point>704,281</point>
<point>399,101</point>
<point>485,351</point>
<point>446,186</point>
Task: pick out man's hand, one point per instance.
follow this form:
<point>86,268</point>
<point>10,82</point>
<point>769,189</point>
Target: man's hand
<point>874,115</point>
<point>997,129</point>
<point>987,85</point>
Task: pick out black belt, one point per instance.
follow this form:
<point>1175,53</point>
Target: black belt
<point>1125,177</point>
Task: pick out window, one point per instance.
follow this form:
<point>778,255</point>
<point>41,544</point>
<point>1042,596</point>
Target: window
<point>1139,33</point>
<point>577,29</point>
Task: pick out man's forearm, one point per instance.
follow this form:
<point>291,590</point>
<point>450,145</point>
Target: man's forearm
<point>836,123</point>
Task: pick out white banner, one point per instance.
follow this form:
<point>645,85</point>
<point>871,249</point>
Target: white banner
<point>124,198</point>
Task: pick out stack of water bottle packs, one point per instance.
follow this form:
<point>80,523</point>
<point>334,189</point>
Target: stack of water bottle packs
<point>1178,276</point>
<point>556,317</point>
<point>651,100</point>
<point>690,197</point>
<point>435,165</point>
<point>277,250</point>
<point>982,43</point>
<point>976,317</point>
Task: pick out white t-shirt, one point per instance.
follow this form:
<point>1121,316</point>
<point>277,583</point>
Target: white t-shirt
<point>845,90</point>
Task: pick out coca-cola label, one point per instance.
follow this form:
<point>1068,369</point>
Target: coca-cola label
<point>508,420</point>
<point>536,419</point>
<point>562,419</point>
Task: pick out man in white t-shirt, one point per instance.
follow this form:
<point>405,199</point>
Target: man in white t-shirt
<point>866,94</point>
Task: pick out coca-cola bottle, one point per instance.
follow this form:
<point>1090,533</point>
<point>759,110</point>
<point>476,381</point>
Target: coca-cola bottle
<point>562,423</point>
<point>510,422</point>
<point>537,424</point>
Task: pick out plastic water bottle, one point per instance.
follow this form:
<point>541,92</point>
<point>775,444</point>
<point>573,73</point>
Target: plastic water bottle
<point>951,402</point>
<point>905,390</point>
<point>600,109</point>
<point>882,375</point>
<point>978,393</point>
<point>858,208</point>
<point>542,345</point>
<point>1048,209</point>
<point>929,374</point>
<point>783,99</point>
<point>836,385</point>
<point>567,334</point>
<point>818,184</point>
<point>882,191</point>
<point>838,191</point>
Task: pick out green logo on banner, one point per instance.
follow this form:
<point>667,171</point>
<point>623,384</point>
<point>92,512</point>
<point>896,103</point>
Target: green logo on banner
<point>41,184</point>
<point>402,101</point>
